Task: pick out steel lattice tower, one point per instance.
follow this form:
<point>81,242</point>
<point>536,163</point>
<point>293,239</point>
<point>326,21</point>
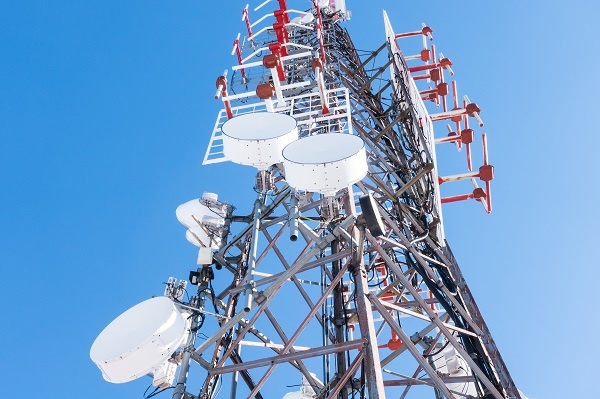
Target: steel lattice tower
<point>307,289</point>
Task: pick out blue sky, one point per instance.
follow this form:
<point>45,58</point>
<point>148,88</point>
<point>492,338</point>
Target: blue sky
<point>105,112</point>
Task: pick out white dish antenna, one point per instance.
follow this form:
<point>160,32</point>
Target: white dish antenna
<point>296,395</point>
<point>451,363</point>
<point>306,390</point>
<point>139,340</point>
<point>325,163</point>
<point>199,237</point>
<point>257,139</point>
<point>303,19</point>
<point>200,216</point>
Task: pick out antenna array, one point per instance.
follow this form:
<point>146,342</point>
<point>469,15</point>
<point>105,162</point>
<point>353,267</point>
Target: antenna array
<point>341,275</point>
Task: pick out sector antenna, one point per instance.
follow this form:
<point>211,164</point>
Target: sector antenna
<point>340,282</point>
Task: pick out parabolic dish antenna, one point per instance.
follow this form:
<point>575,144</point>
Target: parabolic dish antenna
<point>194,213</point>
<point>257,139</point>
<point>139,340</point>
<point>303,19</point>
<point>198,236</point>
<point>325,163</point>
<point>306,390</point>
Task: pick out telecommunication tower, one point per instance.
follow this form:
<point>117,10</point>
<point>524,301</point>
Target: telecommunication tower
<point>341,279</point>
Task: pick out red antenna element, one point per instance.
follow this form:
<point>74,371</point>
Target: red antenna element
<point>284,8</point>
<point>276,50</point>
<point>456,114</point>
<point>222,92</point>
<point>444,63</point>
<point>441,90</point>
<point>485,174</point>
<point>319,30</point>
<point>467,136</point>
<point>317,67</point>
<point>281,33</point>
<point>281,30</point>
<point>266,91</point>
<point>246,19</point>
<point>273,62</point>
<point>473,110</point>
<point>237,50</point>
<point>426,31</point>
<point>461,134</point>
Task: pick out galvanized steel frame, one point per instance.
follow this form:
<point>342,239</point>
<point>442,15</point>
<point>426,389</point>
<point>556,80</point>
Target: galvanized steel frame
<point>429,292</point>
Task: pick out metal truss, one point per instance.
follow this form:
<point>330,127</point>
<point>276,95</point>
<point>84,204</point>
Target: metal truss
<point>305,288</point>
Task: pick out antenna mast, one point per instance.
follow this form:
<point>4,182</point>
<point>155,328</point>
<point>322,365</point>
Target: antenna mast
<point>341,278</point>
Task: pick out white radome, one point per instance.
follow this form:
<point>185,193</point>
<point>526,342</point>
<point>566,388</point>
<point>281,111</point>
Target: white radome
<point>139,340</point>
<point>325,163</point>
<point>194,213</point>
<point>257,139</point>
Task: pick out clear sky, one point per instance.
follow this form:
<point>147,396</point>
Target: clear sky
<point>106,109</point>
